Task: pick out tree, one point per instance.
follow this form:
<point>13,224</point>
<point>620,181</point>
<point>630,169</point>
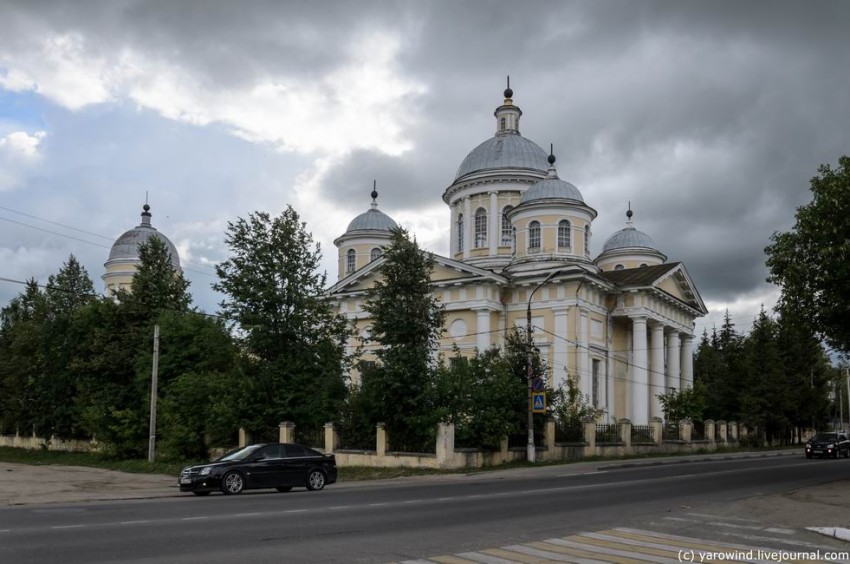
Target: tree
<point>811,263</point>
<point>292,343</point>
<point>684,404</point>
<point>407,323</point>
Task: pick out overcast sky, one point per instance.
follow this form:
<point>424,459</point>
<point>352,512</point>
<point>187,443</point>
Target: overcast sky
<point>709,117</point>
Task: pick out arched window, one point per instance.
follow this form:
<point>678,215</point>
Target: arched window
<point>534,236</point>
<point>507,233</point>
<point>619,267</point>
<point>564,240</point>
<point>502,124</point>
<point>349,261</point>
<point>480,228</point>
<point>376,252</point>
<point>643,265</point>
<point>513,240</point>
<point>460,232</point>
<point>587,240</point>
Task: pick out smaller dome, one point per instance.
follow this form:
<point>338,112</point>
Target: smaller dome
<point>629,238</point>
<point>551,189</point>
<point>372,219</point>
<point>126,247</point>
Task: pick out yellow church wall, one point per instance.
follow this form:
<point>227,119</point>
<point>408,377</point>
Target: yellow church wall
<point>670,286</point>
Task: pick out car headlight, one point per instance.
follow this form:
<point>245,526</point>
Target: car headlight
<point>205,470</point>
<point>830,446</point>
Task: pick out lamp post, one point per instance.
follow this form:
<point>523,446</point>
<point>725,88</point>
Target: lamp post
<point>531,451</point>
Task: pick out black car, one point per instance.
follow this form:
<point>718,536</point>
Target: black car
<point>269,465</point>
<point>828,444</point>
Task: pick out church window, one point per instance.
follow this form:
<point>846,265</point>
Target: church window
<point>587,240</point>
<point>376,253</point>
<point>480,228</point>
<point>619,267</point>
<point>534,235</point>
<point>502,124</point>
<point>513,240</point>
<point>507,232</point>
<point>564,240</point>
<point>460,232</point>
<point>349,261</point>
<point>595,373</point>
<point>643,265</point>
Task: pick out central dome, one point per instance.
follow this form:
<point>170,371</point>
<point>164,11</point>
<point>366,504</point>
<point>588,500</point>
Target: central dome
<point>372,219</point>
<point>504,151</point>
<point>126,247</point>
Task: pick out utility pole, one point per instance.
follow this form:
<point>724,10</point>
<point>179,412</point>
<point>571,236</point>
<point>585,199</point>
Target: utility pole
<point>531,450</point>
<point>154,370</point>
<point>847,380</point>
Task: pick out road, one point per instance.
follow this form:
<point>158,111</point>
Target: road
<point>411,520</point>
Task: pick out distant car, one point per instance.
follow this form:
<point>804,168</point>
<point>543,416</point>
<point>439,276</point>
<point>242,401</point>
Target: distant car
<point>282,466</point>
<point>833,445</point>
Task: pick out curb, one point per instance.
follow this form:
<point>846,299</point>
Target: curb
<point>666,462</point>
<point>834,532</point>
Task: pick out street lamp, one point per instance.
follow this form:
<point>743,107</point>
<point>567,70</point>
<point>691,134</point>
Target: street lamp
<point>531,452</point>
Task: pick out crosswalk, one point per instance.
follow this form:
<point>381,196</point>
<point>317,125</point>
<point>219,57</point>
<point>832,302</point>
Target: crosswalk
<point>625,545</point>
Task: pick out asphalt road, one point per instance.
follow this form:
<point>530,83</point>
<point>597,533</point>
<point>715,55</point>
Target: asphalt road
<point>395,521</point>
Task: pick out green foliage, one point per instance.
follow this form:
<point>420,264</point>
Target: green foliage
<point>479,395</point>
<point>406,327</point>
<point>568,406</point>
<point>811,263</point>
<point>684,404</point>
<point>292,345</point>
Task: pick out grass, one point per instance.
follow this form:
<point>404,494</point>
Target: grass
<point>346,473</point>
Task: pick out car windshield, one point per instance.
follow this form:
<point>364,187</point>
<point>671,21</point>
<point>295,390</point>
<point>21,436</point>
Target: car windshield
<point>824,437</point>
<point>239,454</point>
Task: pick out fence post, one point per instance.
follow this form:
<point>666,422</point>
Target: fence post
<point>588,427</point>
<point>626,434</point>
<point>445,445</point>
<point>708,426</point>
<point>503,450</point>
<point>686,428</point>
<point>721,430</point>
<point>331,438</point>
<point>743,432</point>
<point>381,439</point>
<point>244,437</point>
<point>657,427</point>
<point>550,439</point>
<point>287,432</point>
<point>733,431</point>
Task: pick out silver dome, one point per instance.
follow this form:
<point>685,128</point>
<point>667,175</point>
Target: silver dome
<point>504,151</point>
<point>126,247</point>
<point>629,238</point>
<point>552,188</point>
<point>372,219</point>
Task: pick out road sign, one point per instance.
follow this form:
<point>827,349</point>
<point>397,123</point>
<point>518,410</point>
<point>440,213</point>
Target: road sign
<point>539,403</point>
<point>537,384</point>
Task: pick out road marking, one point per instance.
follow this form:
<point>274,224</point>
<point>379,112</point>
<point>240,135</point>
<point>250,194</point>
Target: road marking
<point>682,519</point>
<point>415,501</point>
<point>247,514</point>
<point>5,530</point>
<point>339,507</point>
<point>377,504</point>
<point>67,527</point>
<point>447,498</point>
<point>296,511</point>
<point>773,539</point>
<point>721,517</point>
<point>751,528</point>
<point>134,522</point>
<point>194,518</point>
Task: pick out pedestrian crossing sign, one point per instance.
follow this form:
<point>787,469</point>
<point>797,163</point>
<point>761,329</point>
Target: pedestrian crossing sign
<point>539,403</point>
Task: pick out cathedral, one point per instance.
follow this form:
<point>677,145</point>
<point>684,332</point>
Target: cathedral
<point>619,324</point>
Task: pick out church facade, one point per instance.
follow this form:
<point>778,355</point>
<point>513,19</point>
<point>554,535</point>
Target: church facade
<point>619,324</point>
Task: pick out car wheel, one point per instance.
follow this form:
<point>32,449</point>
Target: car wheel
<point>315,480</point>
<point>284,489</point>
<point>232,483</point>
<point>202,494</point>
<point>808,455</point>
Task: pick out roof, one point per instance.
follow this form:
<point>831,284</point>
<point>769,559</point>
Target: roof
<point>552,189</point>
<point>126,247</point>
<point>372,219</point>
<point>504,151</point>
<point>643,276</point>
<point>629,238</point>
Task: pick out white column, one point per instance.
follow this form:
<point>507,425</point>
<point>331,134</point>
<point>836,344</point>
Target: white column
<point>468,226</point>
<point>560,347</point>
<point>638,385</point>
<point>495,223</point>
<point>687,362</point>
<point>673,360</point>
<point>610,401</point>
<point>656,370</point>
<point>453,211</point>
<point>482,328</point>
<point>583,355</point>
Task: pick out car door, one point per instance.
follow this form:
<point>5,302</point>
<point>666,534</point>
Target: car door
<point>264,468</point>
<point>294,465</point>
